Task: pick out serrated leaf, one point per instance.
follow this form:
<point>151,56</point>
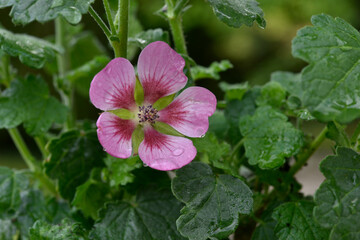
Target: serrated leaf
<point>337,200</point>
<point>234,91</point>
<point>295,222</point>
<point>66,230</point>
<point>151,216</point>
<point>72,156</point>
<point>31,51</point>
<point>12,183</point>
<point>273,94</point>
<point>336,132</point>
<point>26,11</point>
<point>269,138</point>
<point>144,38</point>
<point>331,80</point>
<point>28,101</point>
<point>291,82</point>
<point>238,12</point>
<point>213,203</point>
<point>200,72</point>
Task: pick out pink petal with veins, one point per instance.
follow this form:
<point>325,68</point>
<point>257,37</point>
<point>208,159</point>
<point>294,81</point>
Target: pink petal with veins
<point>113,87</point>
<point>114,134</point>
<point>160,71</point>
<point>190,111</point>
<point>165,152</point>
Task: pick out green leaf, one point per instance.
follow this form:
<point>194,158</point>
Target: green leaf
<point>337,199</point>
<point>265,229</point>
<point>269,138</point>
<point>26,11</point>
<point>295,221</point>
<point>66,230</point>
<point>31,51</point>
<point>217,126</point>
<point>272,94</point>
<point>28,101</point>
<point>144,38</point>
<point>119,171</point>
<point>331,80</point>
<point>151,216</point>
<point>8,230</point>
<point>213,203</point>
<point>238,12</point>
<point>336,132</point>
<point>200,72</point>
<point>291,82</point>
<point>12,183</point>
<point>234,91</point>
<point>72,156</point>
<point>91,195</point>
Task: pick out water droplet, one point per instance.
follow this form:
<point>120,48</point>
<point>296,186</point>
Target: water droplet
<point>104,149</point>
<point>145,165</point>
<point>108,70</point>
<point>72,15</point>
<point>202,135</point>
<point>178,152</point>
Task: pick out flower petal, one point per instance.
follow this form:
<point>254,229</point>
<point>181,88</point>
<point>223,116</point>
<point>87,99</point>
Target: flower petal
<point>165,152</point>
<point>189,112</point>
<point>113,87</point>
<point>114,134</point>
<point>160,71</point>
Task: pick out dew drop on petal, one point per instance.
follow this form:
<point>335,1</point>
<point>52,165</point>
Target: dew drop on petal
<point>145,165</point>
<point>104,149</point>
<point>178,152</point>
<point>202,136</point>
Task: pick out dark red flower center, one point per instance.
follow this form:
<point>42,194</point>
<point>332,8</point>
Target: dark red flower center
<point>147,114</point>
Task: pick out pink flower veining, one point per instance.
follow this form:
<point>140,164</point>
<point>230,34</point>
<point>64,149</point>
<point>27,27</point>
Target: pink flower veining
<point>160,72</point>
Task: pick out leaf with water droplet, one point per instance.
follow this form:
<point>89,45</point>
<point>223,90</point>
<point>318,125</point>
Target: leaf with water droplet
<point>213,203</point>
<point>331,80</point>
<point>26,11</point>
<point>337,198</point>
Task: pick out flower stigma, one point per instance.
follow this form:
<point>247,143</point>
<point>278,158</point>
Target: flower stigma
<point>147,114</point>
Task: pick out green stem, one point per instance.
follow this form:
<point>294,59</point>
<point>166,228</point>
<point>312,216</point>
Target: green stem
<point>356,135</point>
<point>120,47</point>
<point>236,148</point>
<point>41,144</point>
<point>100,22</point>
<point>109,17</point>
<point>303,158</point>
<point>23,150</point>
<point>175,22</point>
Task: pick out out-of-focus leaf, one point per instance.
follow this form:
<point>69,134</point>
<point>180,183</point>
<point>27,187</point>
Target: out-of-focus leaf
<point>238,12</point>
<point>200,72</point>
<point>72,156</point>
<point>218,125</point>
<point>143,39</point>
<point>214,211</point>
<point>337,199</point>
<point>265,230</point>
<point>65,230</point>
<point>28,101</point>
<point>336,132</point>
<point>272,94</point>
<point>151,216</point>
<point>291,82</point>
<point>331,81</point>
<point>26,11</point>
<point>295,221</point>
<point>269,138</point>
<point>31,51</point>
<point>234,91</point>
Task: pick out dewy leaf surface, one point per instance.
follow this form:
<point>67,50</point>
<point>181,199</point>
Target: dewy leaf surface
<point>295,222</point>
<point>269,138</point>
<point>151,217</point>
<point>26,11</point>
<point>338,198</point>
<point>31,51</point>
<point>213,203</point>
<point>332,49</point>
<point>238,12</point>
<point>28,101</point>
<point>73,155</point>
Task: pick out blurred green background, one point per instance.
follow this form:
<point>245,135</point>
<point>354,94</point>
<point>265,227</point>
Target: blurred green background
<point>254,52</point>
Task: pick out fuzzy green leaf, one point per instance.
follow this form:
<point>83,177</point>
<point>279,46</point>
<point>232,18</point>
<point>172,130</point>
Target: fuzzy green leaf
<point>26,11</point>
<point>234,91</point>
<point>291,82</point>
<point>238,12</point>
<point>28,101</point>
<point>31,51</point>
<point>272,94</point>
<point>143,39</point>
<point>295,222</point>
<point>332,49</point>
<point>213,203</point>
<point>269,138</point>
<point>200,72</point>
<point>336,132</point>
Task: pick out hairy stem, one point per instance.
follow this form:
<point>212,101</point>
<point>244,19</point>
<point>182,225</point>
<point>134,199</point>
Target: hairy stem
<point>109,17</point>
<point>99,21</point>
<point>41,144</point>
<point>303,158</point>
<point>120,46</point>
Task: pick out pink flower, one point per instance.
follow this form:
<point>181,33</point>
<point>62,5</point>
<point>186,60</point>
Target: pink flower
<point>130,115</point>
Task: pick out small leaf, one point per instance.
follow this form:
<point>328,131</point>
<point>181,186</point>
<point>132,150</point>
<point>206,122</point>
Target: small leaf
<point>336,132</point>
<point>28,101</point>
<point>331,81</point>
<point>291,82</point>
<point>151,216</point>
<point>234,91</point>
<point>31,51</point>
<point>238,12</point>
<point>143,39</point>
<point>217,126</point>
<point>200,72</point>
<point>272,94</point>
<point>26,11</point>
<point>269,138</point>
<point>213,203</point>
<point>72,156</point>
<point>295,221</point>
